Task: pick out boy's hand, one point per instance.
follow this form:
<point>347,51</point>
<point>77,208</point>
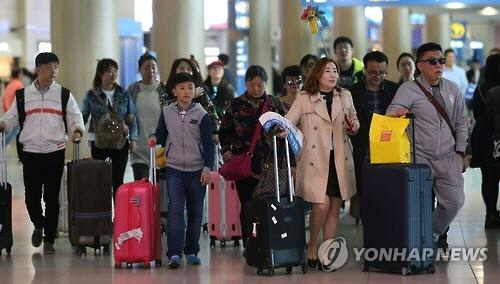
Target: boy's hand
<point>77,137</point>
<point>152,142</point>
<point>205,177</point>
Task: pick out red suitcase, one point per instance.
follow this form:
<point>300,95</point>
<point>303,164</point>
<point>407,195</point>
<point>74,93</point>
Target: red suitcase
<point>137,235</point>
<point>223,211</point>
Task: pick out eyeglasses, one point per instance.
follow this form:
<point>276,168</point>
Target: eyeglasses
<point>294,81</point>
<point>434,61</point>
<point>375,73</point>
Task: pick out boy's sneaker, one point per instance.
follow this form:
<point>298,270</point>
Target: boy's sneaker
<point>48,248</point>
<point>193,259</point>
<point>174,262</point>
<point>37,237</point>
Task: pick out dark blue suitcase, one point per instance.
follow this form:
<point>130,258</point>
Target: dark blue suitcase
<point>397,215</point>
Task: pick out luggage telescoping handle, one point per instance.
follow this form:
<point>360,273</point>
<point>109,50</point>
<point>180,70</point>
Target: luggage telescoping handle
<point>276,175</point>
<point>3,179</point>
<point>152,165</point>
<point>76,151</point>
<point>411,116</point>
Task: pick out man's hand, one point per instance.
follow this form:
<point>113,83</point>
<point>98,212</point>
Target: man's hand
<point>227,156</point>
<point>2,126</point>
<point>399,113</point>
<point>132,146</point>
<point>205,177</point>
<point>77,137</point>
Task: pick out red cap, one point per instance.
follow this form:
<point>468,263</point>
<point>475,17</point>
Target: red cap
<point>215,63</point>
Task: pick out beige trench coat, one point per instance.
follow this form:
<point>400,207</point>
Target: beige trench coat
<point>311,114</point>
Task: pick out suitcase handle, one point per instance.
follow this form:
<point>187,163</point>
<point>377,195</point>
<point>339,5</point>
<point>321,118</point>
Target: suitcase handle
<point>3,177</point>
<point>291,190</point>
<point>152,165</point>
<point>411,116</point>
<point>76,151</point>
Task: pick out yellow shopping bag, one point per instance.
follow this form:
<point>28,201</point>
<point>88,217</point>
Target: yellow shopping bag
<point>161,160</point>
<point>389,142</point>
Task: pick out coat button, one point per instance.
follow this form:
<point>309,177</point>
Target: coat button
<point>345,141</point>
<point>315,128</point>
<point>311,164</point>
<point>313,146</point>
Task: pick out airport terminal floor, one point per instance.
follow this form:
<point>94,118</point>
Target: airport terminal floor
<point>226,265</point>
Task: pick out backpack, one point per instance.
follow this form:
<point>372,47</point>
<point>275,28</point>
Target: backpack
<point>109,129</point>
<point>22,115</point>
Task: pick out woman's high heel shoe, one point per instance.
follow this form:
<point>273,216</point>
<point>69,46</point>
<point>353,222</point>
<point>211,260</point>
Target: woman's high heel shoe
<point>312,263</point>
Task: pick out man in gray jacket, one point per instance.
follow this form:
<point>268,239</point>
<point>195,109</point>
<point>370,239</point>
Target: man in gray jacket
<point>436,143</point>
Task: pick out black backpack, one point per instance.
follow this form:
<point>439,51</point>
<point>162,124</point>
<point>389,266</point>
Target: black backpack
<point>22,115</point>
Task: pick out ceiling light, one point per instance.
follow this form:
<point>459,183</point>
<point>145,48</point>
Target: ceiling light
<point>488,11</point>
<point>454,5</point>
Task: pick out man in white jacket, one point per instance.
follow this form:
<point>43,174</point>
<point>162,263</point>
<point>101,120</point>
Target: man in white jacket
<point>43,138</point>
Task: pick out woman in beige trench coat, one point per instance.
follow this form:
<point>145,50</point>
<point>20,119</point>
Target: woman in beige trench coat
<point>325,169</point>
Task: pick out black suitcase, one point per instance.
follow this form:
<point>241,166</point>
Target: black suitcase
<point>89,204</point>
<point>278,236</point>
<point>6,241</point>
<point>397,216</point>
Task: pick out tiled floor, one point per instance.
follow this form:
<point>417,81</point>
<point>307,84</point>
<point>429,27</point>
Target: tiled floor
<point>226,265</point>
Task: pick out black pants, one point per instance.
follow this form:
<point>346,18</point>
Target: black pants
<point>245,190</point>
<point>140,171</point>
<point>489,188</point>
<point>119,160</point>
<point>42,177</point>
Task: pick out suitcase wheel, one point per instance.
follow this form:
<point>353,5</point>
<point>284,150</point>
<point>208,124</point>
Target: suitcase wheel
<point>129,265</point>
<point>259,271</point>
<point>366,267</point>
<point>158,262</point>
<point>205,228</point>
<point>431,269</point>
<point>223,244</point>
<point>147,264</point>
<point>271,272</point>
<point>105,250</point>
<point>405,270</point>
<point>236,243</point>
<point>212,243</point>
<point>304,268</point>
<point>79,250</point>
<point>289,270</point>
<point>118,264</point>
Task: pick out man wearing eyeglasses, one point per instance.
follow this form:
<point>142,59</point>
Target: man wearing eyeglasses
<point>372,94</point>
<point>437,145</point>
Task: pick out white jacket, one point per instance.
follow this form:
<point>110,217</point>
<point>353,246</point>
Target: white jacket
<point>43,130</point>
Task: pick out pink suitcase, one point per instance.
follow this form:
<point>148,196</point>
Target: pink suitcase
<point>223,211</point>
<point>137,230</point>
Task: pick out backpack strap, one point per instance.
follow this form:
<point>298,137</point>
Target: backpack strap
<point>21,113</point>
<point>64,103</point>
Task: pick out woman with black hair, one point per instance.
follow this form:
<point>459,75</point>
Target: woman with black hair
<point>105,97</point>
<point>485,108</point>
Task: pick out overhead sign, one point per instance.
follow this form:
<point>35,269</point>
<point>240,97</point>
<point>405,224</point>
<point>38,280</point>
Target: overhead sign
<point>457,31</point>
<point>352,3</point>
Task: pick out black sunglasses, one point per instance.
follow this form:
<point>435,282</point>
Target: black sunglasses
<point>297,81</point>
<point>434,61</point>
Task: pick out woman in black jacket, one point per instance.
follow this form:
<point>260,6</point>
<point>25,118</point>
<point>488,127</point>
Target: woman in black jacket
<point>482,140</point>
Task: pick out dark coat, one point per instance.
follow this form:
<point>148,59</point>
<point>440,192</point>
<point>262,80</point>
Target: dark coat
<point>360,141</point>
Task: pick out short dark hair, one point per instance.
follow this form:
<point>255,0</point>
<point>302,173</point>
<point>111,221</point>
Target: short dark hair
<point>429,46</point>
<point>376,56</point>
<point>145,57</point>
<point>255,71</point>
<point>342,39</point>
<point>449,50</point>
<point>180,78</point>
<point>102,66</point>
<point>492,68</point>
<point>308,57</point>
<point>293,70</point>
<point>14,73</point>
<point>224,58</point>
<point>46,57</point>
<point>402,55</point>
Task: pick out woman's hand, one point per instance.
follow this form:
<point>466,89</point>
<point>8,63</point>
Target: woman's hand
<point>132,146</point>
<point>227,156</point>
<point>280,132</point>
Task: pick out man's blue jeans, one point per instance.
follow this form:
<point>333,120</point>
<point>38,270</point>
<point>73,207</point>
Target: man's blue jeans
<point>184,191</point>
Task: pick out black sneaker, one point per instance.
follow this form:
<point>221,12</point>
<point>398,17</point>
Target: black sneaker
<point>442,242</point>
<point>37,237</point>
<point>174,261</point>
<point>492,221</point>
<point>48,248</point>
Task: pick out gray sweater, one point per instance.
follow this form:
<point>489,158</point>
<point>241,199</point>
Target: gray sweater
<point>434,139</point>
<point>187,136</point>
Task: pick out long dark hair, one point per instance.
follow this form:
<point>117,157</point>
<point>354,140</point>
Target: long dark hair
<point>312,81</point>
<point>196,74</point>
<point>103,66</point>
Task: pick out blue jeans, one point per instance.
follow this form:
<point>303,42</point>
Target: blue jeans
<point>184,191</point>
